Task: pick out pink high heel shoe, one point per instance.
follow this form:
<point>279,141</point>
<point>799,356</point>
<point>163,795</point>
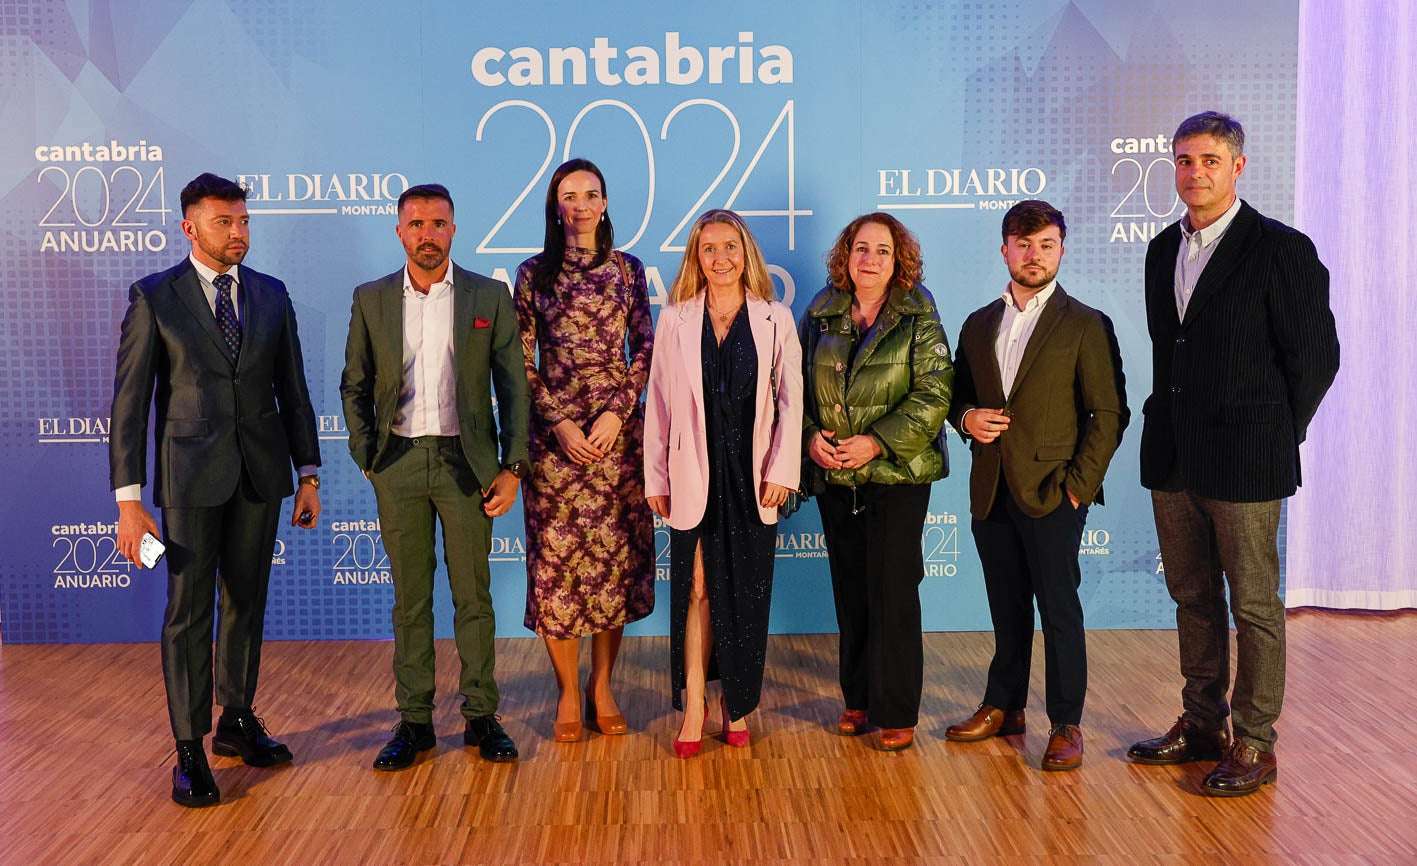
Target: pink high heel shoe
<point>736,739</point>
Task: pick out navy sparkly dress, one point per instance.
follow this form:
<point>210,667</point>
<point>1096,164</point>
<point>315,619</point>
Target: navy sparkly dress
<point>737,545</point>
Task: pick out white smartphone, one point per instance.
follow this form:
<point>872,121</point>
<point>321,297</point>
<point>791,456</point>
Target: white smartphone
<point>150,550</point>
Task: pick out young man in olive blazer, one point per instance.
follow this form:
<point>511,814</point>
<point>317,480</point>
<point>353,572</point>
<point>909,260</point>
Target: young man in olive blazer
<point>427,346</point>
<point>1039,393</point>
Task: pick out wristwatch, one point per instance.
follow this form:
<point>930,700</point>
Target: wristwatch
<point>520,469</point>
<point>312,480</point>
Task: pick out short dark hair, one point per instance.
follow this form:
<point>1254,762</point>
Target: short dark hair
<point>1214,123</point>
<point>1031,216</point>
<point>426,190</point>
<point>208,185</point>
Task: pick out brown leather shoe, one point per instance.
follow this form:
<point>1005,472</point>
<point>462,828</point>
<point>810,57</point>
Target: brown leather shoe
<point>1185,742</point>
<point>1064,750</point>
<point>853,723</point>
<point>987,722</point>
<point>1242,772</point>
<point>895,739</point>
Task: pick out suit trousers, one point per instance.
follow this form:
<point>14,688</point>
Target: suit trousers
<point>1026,558</point>
<point>431,482</point>
<point>873,544</point>
<point>1205,544</point>
<point>230,545</point>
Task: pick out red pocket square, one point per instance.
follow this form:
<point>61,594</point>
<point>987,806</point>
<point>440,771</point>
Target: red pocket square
<point>480,322</point>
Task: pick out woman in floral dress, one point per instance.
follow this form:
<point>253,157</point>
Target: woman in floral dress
<point>589,532</point>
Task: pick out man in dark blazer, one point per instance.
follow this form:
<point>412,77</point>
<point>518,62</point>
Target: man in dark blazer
<point>1243,349</point>
<point>1040,395</point>
<point>214,345</point>
<point>427,346</point>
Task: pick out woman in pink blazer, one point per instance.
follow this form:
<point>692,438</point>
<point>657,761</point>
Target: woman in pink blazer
<point>723,443</point>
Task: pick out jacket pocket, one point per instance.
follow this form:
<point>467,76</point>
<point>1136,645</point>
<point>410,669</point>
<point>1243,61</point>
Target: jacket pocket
<point>1053,453</point>
<point>182,427</point>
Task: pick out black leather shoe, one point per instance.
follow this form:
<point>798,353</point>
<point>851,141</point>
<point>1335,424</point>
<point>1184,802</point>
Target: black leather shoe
<point>1243,771</point>
<point>410,738</point>
<point>245,735</point>
<point>485,732</point>
<point>1185,742</point>
<point>192,782</point>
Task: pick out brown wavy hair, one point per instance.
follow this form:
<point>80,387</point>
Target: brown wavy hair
<point>909,264</point>
<point>691,280</point>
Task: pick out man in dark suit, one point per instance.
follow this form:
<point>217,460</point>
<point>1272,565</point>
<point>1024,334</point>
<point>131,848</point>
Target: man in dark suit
<point>1243,349</point>
<point>215,344</point>
<point>1039,392</point>
<point>424,344</point>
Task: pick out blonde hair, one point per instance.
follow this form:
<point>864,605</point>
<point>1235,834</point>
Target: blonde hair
<point>690,280</point>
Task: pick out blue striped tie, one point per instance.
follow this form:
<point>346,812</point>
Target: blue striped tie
<point>226,314</point>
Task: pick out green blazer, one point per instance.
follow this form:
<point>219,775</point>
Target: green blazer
<point>487,353</point>
<point>1068,407</point>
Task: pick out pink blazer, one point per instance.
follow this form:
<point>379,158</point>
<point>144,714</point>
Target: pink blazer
<point>676,447</point>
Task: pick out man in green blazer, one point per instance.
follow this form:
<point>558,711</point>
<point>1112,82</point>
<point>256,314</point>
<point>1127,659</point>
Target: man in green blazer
<point>427,346</point>
<point>1039,393</point>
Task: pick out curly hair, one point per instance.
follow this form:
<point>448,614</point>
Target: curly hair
<point>691,280</point>
<point>909,264</point>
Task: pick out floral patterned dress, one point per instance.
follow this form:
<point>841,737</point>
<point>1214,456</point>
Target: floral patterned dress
<point>589,530</point>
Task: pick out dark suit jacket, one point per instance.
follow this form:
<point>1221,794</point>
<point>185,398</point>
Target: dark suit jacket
<point>212,415</point>
<point>373,372</point>
<point>1235,385</point>
<point>1068,406</point>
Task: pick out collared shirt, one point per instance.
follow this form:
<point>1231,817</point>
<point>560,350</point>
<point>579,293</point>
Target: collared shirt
<point>207,276</point>
<point>428,398</point>
<point>1196,249</point>
<point>1015,329</point>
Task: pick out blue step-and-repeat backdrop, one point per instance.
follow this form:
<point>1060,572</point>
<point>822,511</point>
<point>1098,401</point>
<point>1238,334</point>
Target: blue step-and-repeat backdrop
<point>800,115</point>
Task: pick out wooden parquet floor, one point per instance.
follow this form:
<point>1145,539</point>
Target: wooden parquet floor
<point>85,756</point>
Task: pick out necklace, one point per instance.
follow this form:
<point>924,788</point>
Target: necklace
<point>723,316</point>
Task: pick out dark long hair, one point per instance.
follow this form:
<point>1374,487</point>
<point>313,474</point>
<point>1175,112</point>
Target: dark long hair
<point>553,249</point>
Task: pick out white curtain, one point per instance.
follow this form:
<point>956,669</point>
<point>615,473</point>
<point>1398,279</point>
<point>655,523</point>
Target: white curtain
<point>1351,533</point>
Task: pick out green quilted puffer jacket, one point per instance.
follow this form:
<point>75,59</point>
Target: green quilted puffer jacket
<point>896,388</point>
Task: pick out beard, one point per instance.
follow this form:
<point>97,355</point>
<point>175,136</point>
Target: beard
<point>428,256</point>
<point>1033,278</point>
<point>220,252</point>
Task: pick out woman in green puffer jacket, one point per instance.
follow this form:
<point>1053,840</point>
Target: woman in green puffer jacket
<point>877,379</point>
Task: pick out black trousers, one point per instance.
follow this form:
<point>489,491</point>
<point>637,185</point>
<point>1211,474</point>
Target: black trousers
<point>1027,558</point>
<point>876,569</point>
<point>230,544</point>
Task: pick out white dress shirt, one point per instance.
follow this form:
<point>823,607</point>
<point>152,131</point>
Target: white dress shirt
<point>428,398</point>
<point>1196,250</point>
<point>1015,329</point>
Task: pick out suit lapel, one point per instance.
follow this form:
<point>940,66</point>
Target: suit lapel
<point>462,318</point>
<point>188,287</point>
<point>390,335</point>
<point>1047,320</point>
<point>1232,250</point>
<point>1161,278</point>
<point>760,321</point>
<point>691,335</point>
<point>992,394</point>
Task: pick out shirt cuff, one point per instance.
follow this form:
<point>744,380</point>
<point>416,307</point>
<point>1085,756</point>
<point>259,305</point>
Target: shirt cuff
<point>307,470</point>
<point>128,493</point>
